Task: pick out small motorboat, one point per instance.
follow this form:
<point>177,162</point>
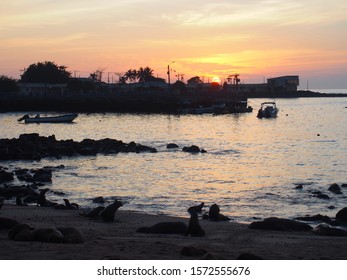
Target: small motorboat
<point>267,110</point>
<point>68,118</point>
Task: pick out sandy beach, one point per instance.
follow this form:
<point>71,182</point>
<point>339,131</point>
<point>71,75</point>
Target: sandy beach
<point>119,239</point>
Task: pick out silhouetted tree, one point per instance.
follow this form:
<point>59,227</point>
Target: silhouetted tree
<point>130,75</point>
<point>179,85</point>
<point>46,72</point>
<point>145,74</point>
<point>8,85</point>
<point>194,81</point>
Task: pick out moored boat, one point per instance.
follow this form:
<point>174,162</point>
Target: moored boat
<point>267,110</point>
<point>68,118</point>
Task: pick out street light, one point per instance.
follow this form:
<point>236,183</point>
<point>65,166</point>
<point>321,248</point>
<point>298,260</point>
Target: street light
<point>168,71</point>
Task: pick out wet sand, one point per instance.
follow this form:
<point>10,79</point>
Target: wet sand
<point>119,239</point>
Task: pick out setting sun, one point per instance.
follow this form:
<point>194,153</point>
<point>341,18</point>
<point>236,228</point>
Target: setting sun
<point>216,80</point>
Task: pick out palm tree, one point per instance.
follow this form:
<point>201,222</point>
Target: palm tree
<point>130,75</point>
<point>145,74</point>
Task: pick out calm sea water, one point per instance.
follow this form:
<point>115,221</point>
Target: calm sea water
<point>251,168</point>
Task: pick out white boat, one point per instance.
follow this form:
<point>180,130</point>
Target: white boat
<point>52,119</point>
<point>267,110</point>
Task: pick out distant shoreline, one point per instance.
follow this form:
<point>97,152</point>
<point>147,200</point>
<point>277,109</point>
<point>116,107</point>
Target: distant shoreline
<point>137,103</point>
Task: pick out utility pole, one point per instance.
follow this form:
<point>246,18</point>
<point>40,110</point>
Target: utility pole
<point>168,72</point>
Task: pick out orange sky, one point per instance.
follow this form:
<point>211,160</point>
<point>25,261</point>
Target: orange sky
<point>258,39</point>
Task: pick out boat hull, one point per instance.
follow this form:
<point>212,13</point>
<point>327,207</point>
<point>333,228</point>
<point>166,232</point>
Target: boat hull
<point>54,119</point>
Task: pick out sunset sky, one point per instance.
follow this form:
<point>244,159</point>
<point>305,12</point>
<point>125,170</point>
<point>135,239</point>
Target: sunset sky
<point>258,39</point>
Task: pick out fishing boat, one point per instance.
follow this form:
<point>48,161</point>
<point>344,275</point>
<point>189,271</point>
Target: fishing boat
<point>68,118</point>
<point>267,110</point>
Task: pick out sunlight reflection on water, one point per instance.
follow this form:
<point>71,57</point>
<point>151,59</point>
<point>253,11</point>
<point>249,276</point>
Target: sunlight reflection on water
<point>250,170</point>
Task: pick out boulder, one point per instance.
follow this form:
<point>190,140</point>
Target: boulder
<point>341,215</point>
<point>335,188</point>
<point>172,146</point>
<point>192,149</point>
<point>329,231</point>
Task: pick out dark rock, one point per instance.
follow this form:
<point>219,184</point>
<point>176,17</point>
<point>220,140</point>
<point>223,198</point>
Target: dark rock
<point>280,224</point>
<point>323,196</point>
<point>335,188</point>
<point>34,147</point>
<point>329,231</point>
<point>315,218</point>
<point>341,215</point>
<point>6,176</point>
<point>172,146</point>
<point>165,228</point>
<point>343,185</point>
<point>99,199</point>
<point>192,149</point>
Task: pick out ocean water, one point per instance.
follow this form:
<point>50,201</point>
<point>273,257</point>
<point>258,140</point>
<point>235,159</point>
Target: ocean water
<point>251,168</point>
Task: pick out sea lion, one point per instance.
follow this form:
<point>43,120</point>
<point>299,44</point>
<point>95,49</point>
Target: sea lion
<point>42,201</point>
<point>197,208</point>
<point>165,228</point>
<point>72,235</point>
<point>70,206</point>
<point>21,232</point>
<point>214,214</point>
<point>7,223</point>
<point>108,213</point>
<point>93,213</point>
<point>19,201</point>
<point>50,235</point>
<point>194,228</point>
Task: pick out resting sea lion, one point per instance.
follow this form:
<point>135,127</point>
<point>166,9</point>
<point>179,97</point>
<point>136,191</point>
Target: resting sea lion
<point>7,223</point>
<point>93,213</point>
<point>21,232</point>
<point>50,235</point>
<point>108,213</point>
<point>194,228</point>
<point>72,235</point>
<point>165,228</point>
<point>19,201</point>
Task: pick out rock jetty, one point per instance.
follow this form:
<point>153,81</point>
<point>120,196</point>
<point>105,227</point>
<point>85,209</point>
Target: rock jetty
<point>35,147</point>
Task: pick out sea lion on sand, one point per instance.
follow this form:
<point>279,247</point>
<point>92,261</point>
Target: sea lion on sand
<point>93,213</point>
<point>70,206</point>
<point>214,214</point>
<point>108,213</point>
<point>194,228</point>
<point>7,223</point>
<point>21,232</point>
<point>42,201</point>
<point>19,201</point>
<point>165,228</point>
<point>72,235</point>
<point>50,235</point>
<point>197,208</point>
